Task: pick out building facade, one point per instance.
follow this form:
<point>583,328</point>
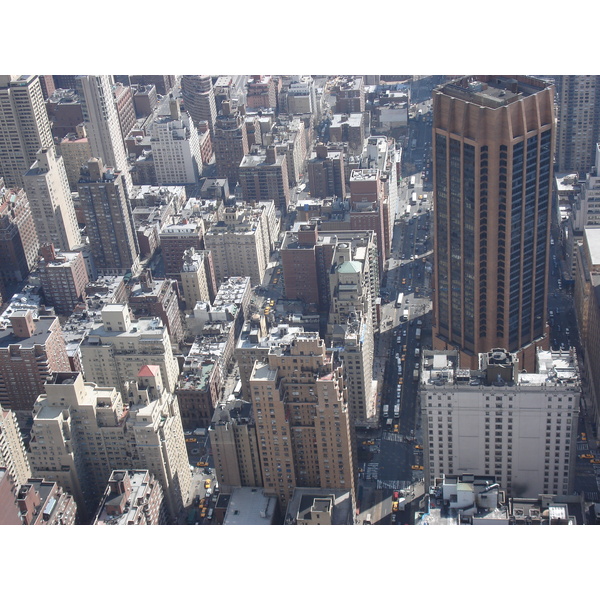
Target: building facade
<point>578,122</point>
<point>108,219</point>
<point>25,126</point>
<point>520,427</point>
<point>49,195</point>
<point>493,145</point>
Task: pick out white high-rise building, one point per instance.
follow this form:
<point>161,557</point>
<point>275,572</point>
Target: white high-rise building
<point>51,202</point>
<point>119,347</point>
<point>13,456</point>
<point>519,427</point>
<point>102,123</point>
<point>176,148</point>
<point>24,126</point>
<point>82,432</point>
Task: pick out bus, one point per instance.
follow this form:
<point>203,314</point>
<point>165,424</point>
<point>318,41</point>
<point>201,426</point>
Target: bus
<point>413,198</point>
<point>411,182</point>
<point>400,300</point>
<point>407,213</point>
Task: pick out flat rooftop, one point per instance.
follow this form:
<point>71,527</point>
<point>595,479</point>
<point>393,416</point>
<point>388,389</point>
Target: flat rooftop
<point>492,91</point>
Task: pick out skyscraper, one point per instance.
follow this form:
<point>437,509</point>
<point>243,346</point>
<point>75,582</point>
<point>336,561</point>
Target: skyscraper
<point>108,219</point>
<point>199,99</point>
<point>102,123</point>
<point>24,126</point>
<point>578,122</point>
<point>493,142</point>
<point>51,203</point>
<point>302,419</point>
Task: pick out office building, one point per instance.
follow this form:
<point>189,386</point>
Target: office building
<point>350,328</point>
<point>132,497</point>
<point>326,177</point>
<point>63,276</point>
<point>75,150</point>
<point>587,311</point>
<point>123,96</point>
<point>307,258</point>
<point>149,297</point>
<point>163,83</point>
<point>13,456</point>
<point>25,126</point>
<point>65,112</point>
<point>108,219</point>
<point>493,146</point>
<point>102,124</point>
<point>31,350</point>
<point>116,349</point>
<point>199,99</point>
<point>315,506</point>
<point>518,426</point>
<point>578,122</point>
<point>349,92</point>
<point>348,128</point>
<point>241,243</point>
<point>18,237</point>
<point>265,177</point>
<point>230,140</point>
<point>261,92</point>
<point>42,502</point>
<point>176,148</point>
<point>235,445</point>
<point>299,399</point>
<point>49,195</point>
<point>175,239</point>
<point>198,283</point>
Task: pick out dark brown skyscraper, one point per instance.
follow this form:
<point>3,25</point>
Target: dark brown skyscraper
<point>493,143</point>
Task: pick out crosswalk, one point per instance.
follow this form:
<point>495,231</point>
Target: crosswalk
<point>372,470</point>
<point>392,437</point>
<point>591,496</point>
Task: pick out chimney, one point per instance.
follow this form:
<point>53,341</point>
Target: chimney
<point>22,323</point>
<point>271,157</point>
<point>321,150</point>
<point>174,108</point>
<point>226,108</point>
<point>307,235</point>
<point>48,253</point>
<point>95,168</point>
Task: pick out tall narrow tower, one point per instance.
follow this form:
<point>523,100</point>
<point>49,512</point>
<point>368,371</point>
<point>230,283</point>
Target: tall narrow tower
<point>493,142</point>
<point>578,122</point>
<point>24,126</point>
<point>102,123</point>
<point>49,194</point>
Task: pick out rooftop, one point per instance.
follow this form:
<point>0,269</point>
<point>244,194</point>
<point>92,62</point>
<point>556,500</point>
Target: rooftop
<point>492,91</point>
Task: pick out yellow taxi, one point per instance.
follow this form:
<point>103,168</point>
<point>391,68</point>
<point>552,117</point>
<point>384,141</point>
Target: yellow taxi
<point>396,429</point>
<point>595,461</point>
<point>206,484</point>
<point>395,506</point>
<point>417,467</point>
<point>418,447</point>
<point>202,463</point>
<point>586,456</point>
<point>203,512</point>
<point>190,440</point>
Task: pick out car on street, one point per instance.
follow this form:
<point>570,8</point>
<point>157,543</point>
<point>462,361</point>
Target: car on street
<point>586,456</point>
<point>417,467</point>
<point>206,484</point>
<point>595,461</point>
